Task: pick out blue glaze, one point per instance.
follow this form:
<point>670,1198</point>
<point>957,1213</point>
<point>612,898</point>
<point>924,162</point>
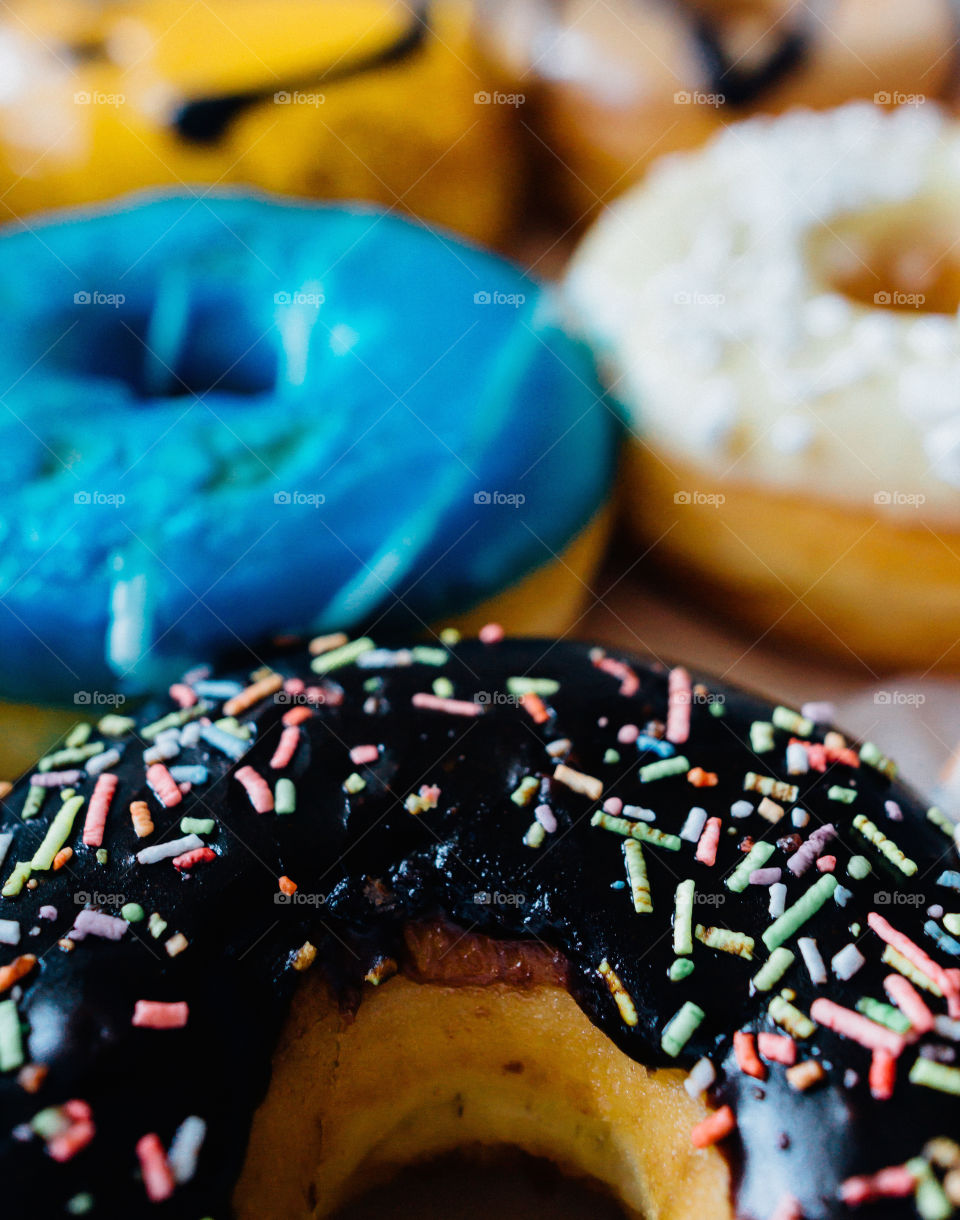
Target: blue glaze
<point>229,417</point>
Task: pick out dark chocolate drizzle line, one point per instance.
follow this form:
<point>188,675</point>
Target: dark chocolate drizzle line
<point>744,86</point>
<point>204,120</point>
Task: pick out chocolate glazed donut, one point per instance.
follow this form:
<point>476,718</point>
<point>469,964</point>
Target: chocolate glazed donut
<point>650,824</point>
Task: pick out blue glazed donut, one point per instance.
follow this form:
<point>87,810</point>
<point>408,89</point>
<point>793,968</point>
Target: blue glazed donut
<point>228,417</point>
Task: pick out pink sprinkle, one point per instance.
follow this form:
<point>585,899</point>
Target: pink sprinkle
<point>286,747</point>
<point>894,812</point>
<point>628,734</point>
<point>183,695</point>
<point>55,779</point>
<point>294,686</point>
<point>164,786</point>
<point>826,864</point>
<point>894,1183</point>
<point>257,788</point>
<point>95,923</point>
<point>184,785</point>
<point>155,1014</point>
<point>47,912</point>
<point>679,698</point>
<point>855,1026</point>
<point>765,876</point>
<point>923,962</point>
<point>98,808</point>
<point>545,816</point>
<point>778,1048</point>
<point>327,694</point>
<point>199,855</point>
<point>364,754</point>
<point>629,682</point>
<point>157,1174</point>
<point>68,1143</point>
<point>492,633</point>
<point>613,804</point>
<point>77,1110</point>
<point>453,707</point>
<point>788,1208</point>
<point>902,992</point>
<point>709,842</point>
<point>819,713</point>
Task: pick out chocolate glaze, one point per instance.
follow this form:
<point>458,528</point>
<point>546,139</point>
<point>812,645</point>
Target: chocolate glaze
<point>746,85</point>
<point>373,868</point>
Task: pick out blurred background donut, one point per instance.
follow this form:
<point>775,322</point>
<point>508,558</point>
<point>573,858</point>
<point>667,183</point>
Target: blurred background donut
<point>341,99</point>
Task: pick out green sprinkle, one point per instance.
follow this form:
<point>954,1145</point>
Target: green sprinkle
<point>663,768</point>
<point>535,835</point>
<point>951,921</point>
<point>761,736</point>
<point>611,756</point>
<point>893,957</point>
<point>197,826</point>
<point>792,722</point>
<point>78,735</point>
<point>637,877</point>
<point>795,916</point>
<point>285,796</point>
<point>354,783</point>
<point>682,968</point>
<point>683,918</point>
<point>174,720</point>
<point>133,912</point>
<point>65,758</point>
<point>846,795</point>
<point>858,867</point>
<point>231,725</point>
<point>157,925</point>
<point>936,815</point>
<point>789,1017</point>
<point>113,725</point>
<point>11,1040</point>
<point>17,879</point>
<point>876,759</point>
<point>47,1122</point>
<point>346,654</point>
<point>887,848</point>
<point>930,1197</point>
<point>883,1014</point>
<point>57,833</point>
<point>67,793</point>
<point>36,795</point>
<point>443,687</point>
<point>525,791</point>
<point>636,830</point>
<point>935,1076</point>
<point>544,687</point>
<point>429,656</point>
<point>755,858</point>
<point>450,636</point>
<point>737,943</point>
<point>374,684</point>
<point>681,1028</point>
<point>102,856</point>
<point>718,710</point>
<point>773,969</point>
<point>80,1204</point>
<point>766,785</point>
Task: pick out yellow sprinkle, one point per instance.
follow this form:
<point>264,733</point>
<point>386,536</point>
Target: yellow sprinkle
<point>586,785</point>
<point>621,997</point>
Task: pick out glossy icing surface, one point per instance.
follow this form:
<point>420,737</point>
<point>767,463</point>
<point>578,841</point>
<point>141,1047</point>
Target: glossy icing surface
<point>365,865</point>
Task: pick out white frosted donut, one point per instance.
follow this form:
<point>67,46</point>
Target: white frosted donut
<point>763,309</point>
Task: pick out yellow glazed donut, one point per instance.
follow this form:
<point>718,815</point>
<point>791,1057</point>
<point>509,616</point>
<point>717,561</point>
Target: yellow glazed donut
<point>359,99</point>
<point>619,84</point>
<point>778,313</point>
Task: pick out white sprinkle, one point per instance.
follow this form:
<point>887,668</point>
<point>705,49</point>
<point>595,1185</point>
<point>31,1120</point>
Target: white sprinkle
<point>799,817</point>
<point>185,1148</point>
<point>946,1027</point>
<point>693,826</point>
<point>812,959</point>
<point>560,746</point>
<point>164,851</point>
<point>741,809</point>
<point>161,750</point>
<point>778,899</point>
<point>102,761</point>
<point>5,841</point>
<point>798,762</point>
<point>819,713</point>
<point>841,895</point>
<point>638,813</point>
<point>9,932</point>
<point>190,734</point>
<point>700,1077</point>
<point>847,962</point>
<point>545,816</point>
<point>936,911</point>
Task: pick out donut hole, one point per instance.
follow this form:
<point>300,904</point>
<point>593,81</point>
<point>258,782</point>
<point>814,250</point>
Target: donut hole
<point>172,349</point>
<point>476,1184</point>
<point>904,258</point>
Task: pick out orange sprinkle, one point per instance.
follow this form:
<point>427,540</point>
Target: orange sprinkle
<point>5,788</point>
<point>30,1078</point>
<point>62,856</point>
<point>883,1075</point>
<point>287,886</point>
<point>702,779</point>
<point>253,694</point>
<point>326,643</point>
<point>142,821</point>
<point>535,707</point>
<point>296,715</point>
<point>714,1128</point>
<point>745,1049</point>
<point>16,970</point>
<point>804,1075</point>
